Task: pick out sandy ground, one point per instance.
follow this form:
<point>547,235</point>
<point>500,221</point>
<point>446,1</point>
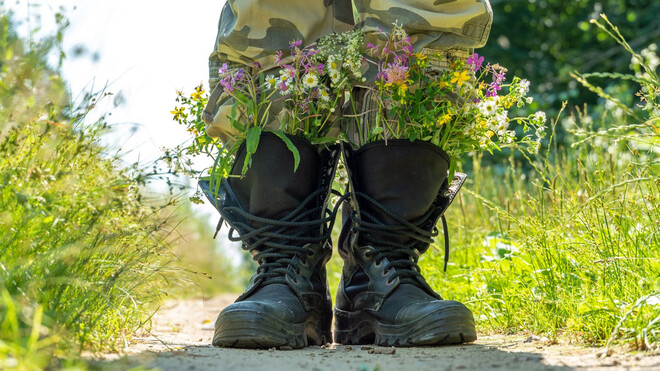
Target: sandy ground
<point>181,334</point>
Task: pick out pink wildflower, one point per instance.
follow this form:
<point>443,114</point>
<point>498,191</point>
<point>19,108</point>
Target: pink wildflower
<point>475,61</point>
<point>395,74</point>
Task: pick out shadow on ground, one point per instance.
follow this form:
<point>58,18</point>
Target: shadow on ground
<point>335,358</point>
<point>181,334</point>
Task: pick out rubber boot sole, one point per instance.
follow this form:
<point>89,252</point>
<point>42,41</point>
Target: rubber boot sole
<point>451,325</point>
<point>255,330</point>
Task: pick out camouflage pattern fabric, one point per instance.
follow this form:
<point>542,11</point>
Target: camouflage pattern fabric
<point>252,31</point>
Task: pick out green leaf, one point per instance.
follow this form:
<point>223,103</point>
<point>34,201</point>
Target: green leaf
<point>325,140</point>
<point>252,141</point>
<point>452,168</point>
<point>377,130</point>
<point>290,146</point>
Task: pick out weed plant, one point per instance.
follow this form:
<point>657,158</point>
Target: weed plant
<point>571,250</point>
<point>82,251</point>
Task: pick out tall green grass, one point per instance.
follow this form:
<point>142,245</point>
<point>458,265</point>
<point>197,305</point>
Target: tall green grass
<point>572,249</point>
<point>83,249</point>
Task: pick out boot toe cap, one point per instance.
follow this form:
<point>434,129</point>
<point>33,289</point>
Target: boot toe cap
<point>438,309</point>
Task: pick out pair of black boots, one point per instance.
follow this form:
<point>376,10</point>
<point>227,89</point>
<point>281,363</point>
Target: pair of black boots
<point>398,191</point>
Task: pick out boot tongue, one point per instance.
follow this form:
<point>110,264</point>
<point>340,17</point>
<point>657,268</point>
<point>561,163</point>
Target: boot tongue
<point>404,177</point>
<point>270,188</point>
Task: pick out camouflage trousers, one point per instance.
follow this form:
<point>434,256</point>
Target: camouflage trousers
<point>252,31</point>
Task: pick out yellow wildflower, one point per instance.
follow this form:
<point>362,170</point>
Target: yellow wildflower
<point>444,119</point>
<point>508,101</point>
<point>177,112</point>
<point>460,78</point>
<point>421,60</point>
<point>197,95</point>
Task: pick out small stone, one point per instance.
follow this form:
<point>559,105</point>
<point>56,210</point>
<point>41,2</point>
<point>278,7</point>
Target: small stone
<point>367,347</point>
<point>532,339</point>
<point>285,347</point>
<point>207,327</point>
<point>272,349</point>
<point>390,350</point>
<point>348,348</point>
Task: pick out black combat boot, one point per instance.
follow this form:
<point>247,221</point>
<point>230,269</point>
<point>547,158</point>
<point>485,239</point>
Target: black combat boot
<point>281,217</point>
<point>399,191</point>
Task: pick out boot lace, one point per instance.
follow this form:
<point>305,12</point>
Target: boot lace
<point>276,244</point>
<point>386,238</point>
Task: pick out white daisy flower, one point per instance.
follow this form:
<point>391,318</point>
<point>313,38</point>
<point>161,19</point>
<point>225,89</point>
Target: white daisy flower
<point>523,87</point>
<point>310,80</point>
<point>500,129</point>
<point>334,76</point>
<point>540,117</point>
<point>324,95</point>
<point>271,82</point>
<point>488,107</point>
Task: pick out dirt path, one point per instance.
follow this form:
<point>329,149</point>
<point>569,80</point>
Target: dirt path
<point>181,335</point>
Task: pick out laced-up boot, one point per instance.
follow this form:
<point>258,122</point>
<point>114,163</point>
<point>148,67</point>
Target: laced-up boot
<point>282,219</point>
<point>399,191</point>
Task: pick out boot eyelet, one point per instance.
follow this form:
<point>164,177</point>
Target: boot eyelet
<point>378,264</point>
<point>386,272</point>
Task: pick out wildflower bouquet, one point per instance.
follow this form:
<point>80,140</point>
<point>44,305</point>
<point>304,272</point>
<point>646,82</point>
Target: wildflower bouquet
<point>298,99</point>
<point>461,108</point>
